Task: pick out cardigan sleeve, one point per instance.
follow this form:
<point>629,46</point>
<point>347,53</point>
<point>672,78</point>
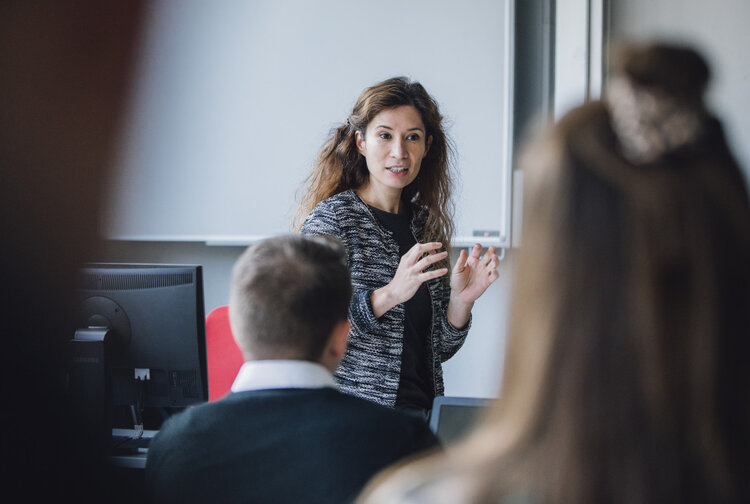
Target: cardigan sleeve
<point>452,338</point>
<point>323,220</point>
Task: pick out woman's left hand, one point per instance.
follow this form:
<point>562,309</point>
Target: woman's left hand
<point>471,276</point>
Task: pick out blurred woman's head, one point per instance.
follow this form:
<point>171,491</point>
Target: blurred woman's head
<point>624,376</point>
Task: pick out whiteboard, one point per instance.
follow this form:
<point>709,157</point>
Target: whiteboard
<point>234,99</point>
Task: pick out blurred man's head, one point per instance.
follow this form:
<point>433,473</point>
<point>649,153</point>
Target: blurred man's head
<point>289,299</point>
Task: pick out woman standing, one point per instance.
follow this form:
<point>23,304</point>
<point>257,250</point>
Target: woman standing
<point>382,185</point>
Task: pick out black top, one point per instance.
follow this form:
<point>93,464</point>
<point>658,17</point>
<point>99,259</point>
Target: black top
<point>279,446</point>
<point>415,389</point>
<point>371,367</point>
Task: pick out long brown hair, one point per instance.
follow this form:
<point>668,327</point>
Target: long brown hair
<point>625,378</point>
<point>340,166</point>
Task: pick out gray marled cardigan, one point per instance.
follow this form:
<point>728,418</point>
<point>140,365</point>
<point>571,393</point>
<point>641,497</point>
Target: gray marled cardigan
<point>371,366</point>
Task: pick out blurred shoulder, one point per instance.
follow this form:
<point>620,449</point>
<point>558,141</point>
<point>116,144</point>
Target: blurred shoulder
<point>437,479</point>
<point>187,421</point>
<point>422,482</point>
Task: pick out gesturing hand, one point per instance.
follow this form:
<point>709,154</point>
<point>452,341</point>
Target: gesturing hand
<point>472,274</point>
<point>409,276</point>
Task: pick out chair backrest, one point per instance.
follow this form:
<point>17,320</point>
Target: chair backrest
<point>223,356</point>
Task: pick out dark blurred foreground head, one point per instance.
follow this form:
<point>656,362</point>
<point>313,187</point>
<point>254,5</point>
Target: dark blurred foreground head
<point>64,74</point>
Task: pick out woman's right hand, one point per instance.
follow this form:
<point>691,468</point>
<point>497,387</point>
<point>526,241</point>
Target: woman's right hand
<point>409,276</point>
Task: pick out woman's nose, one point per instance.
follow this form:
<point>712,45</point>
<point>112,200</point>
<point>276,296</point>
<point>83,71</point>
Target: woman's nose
<point>398,149</point>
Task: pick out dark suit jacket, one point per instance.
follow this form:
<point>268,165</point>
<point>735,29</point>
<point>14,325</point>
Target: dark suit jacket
<point>279,446</point>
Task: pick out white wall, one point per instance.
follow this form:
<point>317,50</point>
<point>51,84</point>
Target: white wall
<point>571,54</point>
<point>476,370</point>
<point>720,29</point>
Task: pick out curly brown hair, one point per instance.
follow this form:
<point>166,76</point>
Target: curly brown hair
<point>340,166</point>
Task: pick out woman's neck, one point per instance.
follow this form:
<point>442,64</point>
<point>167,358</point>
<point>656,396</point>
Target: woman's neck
<point>386,201</point>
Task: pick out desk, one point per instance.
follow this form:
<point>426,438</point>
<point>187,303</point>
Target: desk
<point>134,460</point>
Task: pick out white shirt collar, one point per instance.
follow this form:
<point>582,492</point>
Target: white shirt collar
<point>278,374</point>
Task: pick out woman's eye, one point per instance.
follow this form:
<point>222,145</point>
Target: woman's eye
<point>385,136</point>
<point>413,138</point>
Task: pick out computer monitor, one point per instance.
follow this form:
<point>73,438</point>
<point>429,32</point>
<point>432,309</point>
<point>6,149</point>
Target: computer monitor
<point>138,352</point>
<point>453,417</point>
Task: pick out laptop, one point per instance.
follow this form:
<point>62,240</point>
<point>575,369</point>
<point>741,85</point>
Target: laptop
<point>452,417</point>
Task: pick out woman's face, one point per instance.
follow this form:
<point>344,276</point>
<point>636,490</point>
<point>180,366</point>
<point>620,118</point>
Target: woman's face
<point>394,145</point>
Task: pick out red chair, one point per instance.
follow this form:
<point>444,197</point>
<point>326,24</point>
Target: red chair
<point>223,356</point>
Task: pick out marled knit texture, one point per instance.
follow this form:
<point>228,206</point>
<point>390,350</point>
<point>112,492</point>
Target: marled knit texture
<point>371,366</point>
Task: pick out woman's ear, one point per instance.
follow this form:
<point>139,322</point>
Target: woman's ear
<point>360,141</point>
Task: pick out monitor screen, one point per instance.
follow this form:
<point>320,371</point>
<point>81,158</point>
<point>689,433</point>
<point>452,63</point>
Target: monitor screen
<point>140,343</point>
<point>453,417</point>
